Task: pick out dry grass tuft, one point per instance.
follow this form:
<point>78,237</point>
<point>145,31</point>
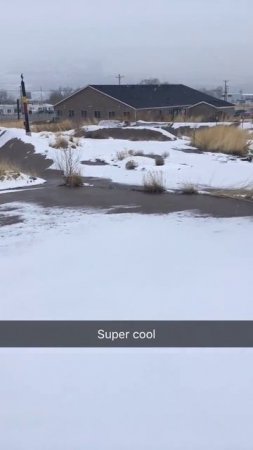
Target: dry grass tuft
<point>122,155</point>
<point>222,139</point>
<point>74,180</point>
<point>9,171</point>
<point>60,142</point>
<point>11,124</point>
<point>131,164</point>
<point>154,183</point>
<point>159,161</point>
<point>189,189</point>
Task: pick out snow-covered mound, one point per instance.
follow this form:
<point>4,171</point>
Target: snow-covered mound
<point>183,165</point>
<point>12,180</point>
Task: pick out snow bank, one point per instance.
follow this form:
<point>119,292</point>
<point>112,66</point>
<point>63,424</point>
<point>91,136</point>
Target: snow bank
<point>183,166</point>
<point>22,180</point>
<point>91,266</point>
<point>64,264</point>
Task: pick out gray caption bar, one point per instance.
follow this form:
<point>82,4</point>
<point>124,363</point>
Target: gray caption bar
<point>126,334</point>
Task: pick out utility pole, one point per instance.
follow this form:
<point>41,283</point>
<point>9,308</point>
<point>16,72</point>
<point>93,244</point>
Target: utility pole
<point>18,108</point>
<point>25,106</point>
<point>225,95</point>
<point>119,77</point>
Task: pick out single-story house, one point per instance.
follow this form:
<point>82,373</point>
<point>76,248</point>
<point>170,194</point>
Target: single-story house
<point>141,102</point>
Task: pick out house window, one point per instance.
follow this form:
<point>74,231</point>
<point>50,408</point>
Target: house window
<point>9,111</point>
<point>59,113</point>
<point>111,114</point>
<point>71,113</point>
<point>97,114</point>
<point>126,114</point>
<point>83,114</point>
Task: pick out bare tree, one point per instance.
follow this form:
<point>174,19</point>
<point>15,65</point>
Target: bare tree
<point>59,94</point>
<point>5,98</point>
<point>151,81</point>
<point>67,161</point>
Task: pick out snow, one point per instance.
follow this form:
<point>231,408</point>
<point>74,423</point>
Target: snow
<point>182,166</point>
<point>125,266</point>
<point>126,399</point>
<point>176,125</point>
<point>22,180</point>
<point>76,264</point>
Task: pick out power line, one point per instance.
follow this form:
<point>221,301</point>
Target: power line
<point>119,77</point>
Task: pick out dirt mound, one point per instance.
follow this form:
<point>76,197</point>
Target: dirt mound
<point>131,134</point>
<point>23,156</point>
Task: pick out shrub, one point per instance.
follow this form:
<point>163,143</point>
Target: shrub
<point>222,139</point>
<point>154,182</point>
<point>68,162</point>
<point>60,142</point>
<point>136,152</point>
<point>189,189</point>
<point>159,161</point>
<point>122,155</point>
<point>74,180</point>
<point>131,165</point>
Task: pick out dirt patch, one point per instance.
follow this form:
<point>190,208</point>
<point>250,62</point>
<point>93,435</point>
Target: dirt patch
<point>23,156</point>
<point>184,130</point>
<point>9,220</point>
<point>97,162</point>
<point>131,134</point>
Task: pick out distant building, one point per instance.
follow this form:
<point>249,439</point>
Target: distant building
<point>11,111</point>
<point>141,102</point>
<point>8,110</point>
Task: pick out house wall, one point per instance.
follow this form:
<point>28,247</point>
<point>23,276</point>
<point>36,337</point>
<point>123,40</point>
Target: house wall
<point>228,111</point>
<point>209,112</point>
<point>159,115</point>
<point>89,104</point>
<point>84,105</point>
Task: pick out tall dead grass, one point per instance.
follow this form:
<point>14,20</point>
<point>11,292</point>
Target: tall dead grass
<point>11,124</point>
<point>192,119</point>
<point>222,139</point>
<point>154,182</point>
<point>65,125</point>
<point>60,142</point>
<point>9,170</point>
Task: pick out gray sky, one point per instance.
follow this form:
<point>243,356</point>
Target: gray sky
<point>197,42</point>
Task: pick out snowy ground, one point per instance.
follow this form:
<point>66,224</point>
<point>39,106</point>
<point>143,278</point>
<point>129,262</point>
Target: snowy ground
<point>182,166</point>
<point>83,265</point>
<point>70,264</point>
<point>125,399</point>
<point>22,180</point>
<point>74,264</point>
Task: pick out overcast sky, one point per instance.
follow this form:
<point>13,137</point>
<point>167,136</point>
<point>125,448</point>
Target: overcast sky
<point>60,42</point>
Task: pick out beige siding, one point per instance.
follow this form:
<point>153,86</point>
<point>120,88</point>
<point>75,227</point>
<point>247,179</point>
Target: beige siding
<point>209,112</point>
<point>157,114</point>
<point>90,100</point>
